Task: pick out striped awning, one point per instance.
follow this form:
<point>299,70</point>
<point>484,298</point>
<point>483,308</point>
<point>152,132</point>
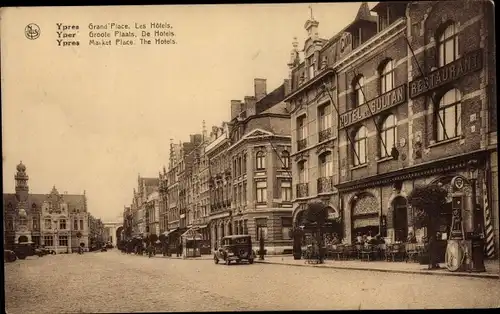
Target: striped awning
<point>366,222</point>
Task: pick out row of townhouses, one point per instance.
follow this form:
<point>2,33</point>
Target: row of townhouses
<point>402,96</point>
<point>58,221</point>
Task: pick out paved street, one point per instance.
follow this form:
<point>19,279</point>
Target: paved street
<point>114,282</point>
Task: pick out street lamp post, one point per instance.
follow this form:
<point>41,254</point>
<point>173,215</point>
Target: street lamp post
<point>477,243</point>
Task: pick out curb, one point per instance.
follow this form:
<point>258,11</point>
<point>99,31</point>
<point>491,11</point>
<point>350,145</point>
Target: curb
<point>422,272</point>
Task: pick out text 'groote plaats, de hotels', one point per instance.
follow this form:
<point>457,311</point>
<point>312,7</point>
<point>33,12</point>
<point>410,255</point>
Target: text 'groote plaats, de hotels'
<point>115,34</point>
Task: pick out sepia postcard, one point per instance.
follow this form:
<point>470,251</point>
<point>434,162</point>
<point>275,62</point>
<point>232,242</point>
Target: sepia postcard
<point>250,157</point>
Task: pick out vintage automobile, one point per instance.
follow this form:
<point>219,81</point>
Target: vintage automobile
<point>25,249</point>
<point>47,251</point>
<point>9,256</point>
<point>236,248</point>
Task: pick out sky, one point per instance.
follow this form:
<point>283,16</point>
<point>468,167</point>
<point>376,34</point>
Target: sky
<point>87,118</point>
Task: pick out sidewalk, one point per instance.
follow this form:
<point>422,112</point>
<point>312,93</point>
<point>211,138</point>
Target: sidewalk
<point>492,266</point>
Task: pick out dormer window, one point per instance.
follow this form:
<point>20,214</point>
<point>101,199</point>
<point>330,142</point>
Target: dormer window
<point>310,68</point>
<point>356,38</point>
<point>384,18</point>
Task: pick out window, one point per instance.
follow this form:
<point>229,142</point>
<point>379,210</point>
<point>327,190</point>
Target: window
<point>81,224</point>
<point>63,240</point>
<point>387,77</point>
<point>48,240</point>
<point>35,224</point>
<point>75,224</point>
<point>448,116</point>
<point>261,160</point>
<point>388,136</point>
<point>383,21</point>
<point>357,87</point>
<point>301,128</point>
<point>360,147</point>
<point>261,191</point>
<point>9,224</point>
<point>62,224</point>
<point>35,239</point>
<point>447,43</point>
<point>244,163</point>
<point>48,223</point>
<point>285,158</point>
<point>23,221</point>
<point>245,227</point>
<point>325,117</point>
<point>325,165</point>
<point>286,191</point>
<point>311,68</point>
<point>261,227</point>
<point>244,193</point>
<point>356,38</point>
<point>286,228</point>
<point>303,176</point>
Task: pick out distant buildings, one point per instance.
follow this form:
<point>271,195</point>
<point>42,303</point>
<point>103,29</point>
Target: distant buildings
<point>58,221</point>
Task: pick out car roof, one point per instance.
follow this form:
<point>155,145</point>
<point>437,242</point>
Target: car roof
<point>239,236</point>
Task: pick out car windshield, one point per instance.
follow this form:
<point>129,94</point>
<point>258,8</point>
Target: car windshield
<point>240,241</point>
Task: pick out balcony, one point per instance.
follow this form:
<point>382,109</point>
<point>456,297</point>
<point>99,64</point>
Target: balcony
<point>325,185</point>
<point>301,144</point>
<point>325,134</point>
<point>302,190</point>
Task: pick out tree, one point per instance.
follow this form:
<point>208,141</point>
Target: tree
<point>428,201</point>
<point>316,215</point>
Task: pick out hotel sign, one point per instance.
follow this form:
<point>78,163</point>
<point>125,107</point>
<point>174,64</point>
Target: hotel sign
<point>385,101</point>
<point>471,62</point>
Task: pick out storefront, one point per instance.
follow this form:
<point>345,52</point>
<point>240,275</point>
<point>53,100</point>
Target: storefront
<point>365,215</point>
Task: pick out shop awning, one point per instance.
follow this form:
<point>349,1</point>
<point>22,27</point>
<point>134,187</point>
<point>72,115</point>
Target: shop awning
<point>167,233</point>
<point>366,222</point>
<point>191,234</point>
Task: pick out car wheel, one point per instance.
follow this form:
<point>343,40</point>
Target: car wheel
<point>250,261</point>
<point>216,260</point>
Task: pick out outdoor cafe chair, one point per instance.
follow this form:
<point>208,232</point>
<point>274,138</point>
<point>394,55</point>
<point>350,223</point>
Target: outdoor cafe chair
<point>411,252</point>
<point>397,251</point>
<point>368,251</point>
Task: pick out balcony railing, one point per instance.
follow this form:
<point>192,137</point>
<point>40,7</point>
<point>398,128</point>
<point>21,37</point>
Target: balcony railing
<point>301,144</point>
<point>302,190</point>
<point>325,134</point>
<point>325,184</point>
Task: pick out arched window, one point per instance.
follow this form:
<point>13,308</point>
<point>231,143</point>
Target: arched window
<point>387,77</point>
<point>388,136</point>
<point>261,160</point>
<point>448,115</point>
<point>303,177</point>
<point>245,163</point>
<point>360,146</point>
<point>447,44</point>
<point>326,165</point>
<point>357,86</point>
<point>285,158</point>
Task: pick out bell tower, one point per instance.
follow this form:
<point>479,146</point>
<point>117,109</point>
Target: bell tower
<point>22,189</point>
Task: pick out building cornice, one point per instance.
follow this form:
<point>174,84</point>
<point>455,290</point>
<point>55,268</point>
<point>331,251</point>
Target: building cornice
<point>309,83</point>
<point>424,169</point>
<point>371,44</point>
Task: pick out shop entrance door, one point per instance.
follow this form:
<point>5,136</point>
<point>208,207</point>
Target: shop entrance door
<point>400,219</point>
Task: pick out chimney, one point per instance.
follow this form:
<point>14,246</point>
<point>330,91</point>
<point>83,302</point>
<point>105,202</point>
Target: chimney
<point>250,102</point>
<point>260,88</point>
<point>235,108</point>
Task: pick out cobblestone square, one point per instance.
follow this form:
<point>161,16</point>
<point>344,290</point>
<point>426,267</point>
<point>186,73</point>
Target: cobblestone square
<point>116,282</point>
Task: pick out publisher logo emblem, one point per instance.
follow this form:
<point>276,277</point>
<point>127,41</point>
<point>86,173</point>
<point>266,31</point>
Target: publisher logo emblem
<point>32,31</point>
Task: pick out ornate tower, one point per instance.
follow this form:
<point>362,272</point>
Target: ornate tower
<point>22,189</point>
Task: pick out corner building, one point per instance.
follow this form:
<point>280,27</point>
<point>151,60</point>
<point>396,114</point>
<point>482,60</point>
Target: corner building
<point>415,91</point>
<point>260,165</point>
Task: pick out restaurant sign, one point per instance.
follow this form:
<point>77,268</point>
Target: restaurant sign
<point>471,62</point>
<point>385,101</point>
